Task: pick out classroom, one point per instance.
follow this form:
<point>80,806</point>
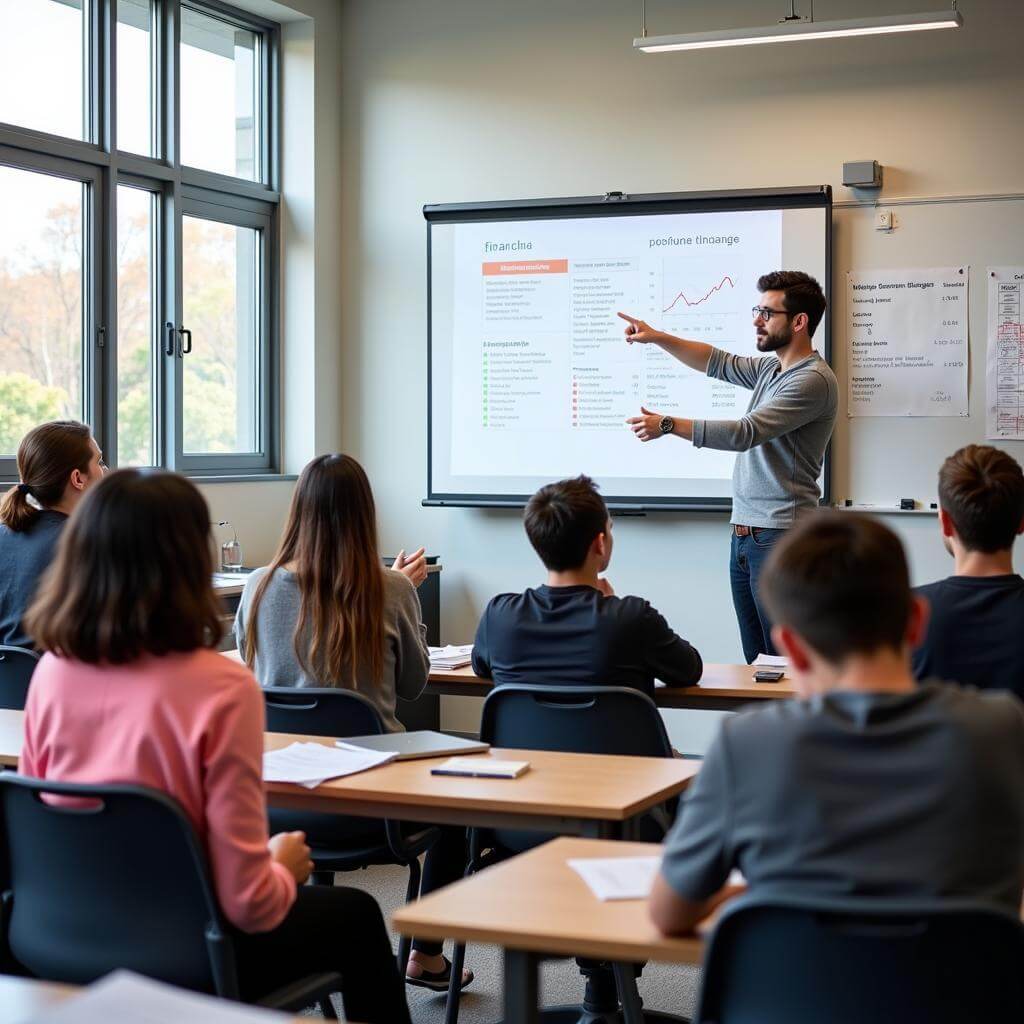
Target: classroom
<point>406,668</point>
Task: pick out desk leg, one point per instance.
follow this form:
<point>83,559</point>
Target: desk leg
<point>629,995</point>
<point>521,987</point>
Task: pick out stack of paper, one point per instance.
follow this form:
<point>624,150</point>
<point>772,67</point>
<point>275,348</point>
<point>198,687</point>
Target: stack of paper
<point>451,656</point>
<point>310,764</point>
<point>771,661</point>
<point>128,997</point>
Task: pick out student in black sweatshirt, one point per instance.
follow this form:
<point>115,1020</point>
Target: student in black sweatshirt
<point>57,463</point>
<point>976,633</point>
<point>574,630</point>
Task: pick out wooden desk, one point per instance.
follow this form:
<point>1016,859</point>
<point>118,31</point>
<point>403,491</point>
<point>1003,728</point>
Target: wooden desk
<point>722,688</point>
<point>535,904</point>
<point>571,794</point>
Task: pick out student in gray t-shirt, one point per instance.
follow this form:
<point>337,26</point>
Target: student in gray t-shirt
<point>780,441</point>
<point>870,786</point>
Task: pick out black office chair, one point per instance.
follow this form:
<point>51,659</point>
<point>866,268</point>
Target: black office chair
<point>118,879</point>
<point>342,842</point>
<point>579,720</point>
<point>16,667</point>
<point>772,961</point>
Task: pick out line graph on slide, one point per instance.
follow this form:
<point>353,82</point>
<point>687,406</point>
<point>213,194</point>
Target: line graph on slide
<point>692,298</point>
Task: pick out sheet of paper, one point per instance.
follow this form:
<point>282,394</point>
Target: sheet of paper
<point>771,661</point>
<point>123,996</point>
<point>310,764</point>
<point>1004,365</point>
<point>907,342</point>
<point>626,878</point>
<point>617,878</point>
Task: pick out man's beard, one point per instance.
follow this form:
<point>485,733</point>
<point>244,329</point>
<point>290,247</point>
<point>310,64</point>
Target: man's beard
<point>773,342</point>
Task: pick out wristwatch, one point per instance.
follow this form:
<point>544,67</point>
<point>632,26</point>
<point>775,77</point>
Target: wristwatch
<point>667,424</point>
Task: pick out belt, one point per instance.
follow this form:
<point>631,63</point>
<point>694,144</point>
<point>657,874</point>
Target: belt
<point>746,531</point>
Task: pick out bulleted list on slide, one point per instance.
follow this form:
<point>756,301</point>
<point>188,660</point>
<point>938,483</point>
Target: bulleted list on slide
<point>542,377</point>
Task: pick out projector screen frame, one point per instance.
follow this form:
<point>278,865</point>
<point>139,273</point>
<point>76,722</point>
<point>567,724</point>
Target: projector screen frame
<point>619,204</point>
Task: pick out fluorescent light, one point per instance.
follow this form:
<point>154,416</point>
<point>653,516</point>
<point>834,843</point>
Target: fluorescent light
<point>793,31</point>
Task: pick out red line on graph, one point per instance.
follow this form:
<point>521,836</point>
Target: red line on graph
<point>704,298</point>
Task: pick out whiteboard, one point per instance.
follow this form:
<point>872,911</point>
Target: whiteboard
<point>878,460</point>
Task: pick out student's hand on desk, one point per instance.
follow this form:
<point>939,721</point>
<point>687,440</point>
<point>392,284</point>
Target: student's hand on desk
<point>646,426</point>
<point>413,567</point>
<point>291,850</point>
<point>605,587</point>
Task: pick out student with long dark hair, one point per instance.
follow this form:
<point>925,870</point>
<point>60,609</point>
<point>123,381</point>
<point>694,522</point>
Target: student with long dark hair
<point>57,463</point>
<point>131,690</point>
<point>326,612</point>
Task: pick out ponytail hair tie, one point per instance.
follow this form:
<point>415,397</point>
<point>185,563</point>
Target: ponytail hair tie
<point>24,489</point>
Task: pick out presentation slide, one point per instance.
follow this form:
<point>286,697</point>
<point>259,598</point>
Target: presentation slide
<point>531,377</point>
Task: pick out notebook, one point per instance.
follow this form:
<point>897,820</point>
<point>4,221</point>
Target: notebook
<point>410,745</point>
<point>481,768</point>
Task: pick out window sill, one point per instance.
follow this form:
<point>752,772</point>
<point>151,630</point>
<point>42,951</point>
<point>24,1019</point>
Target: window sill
<point>241,478</point>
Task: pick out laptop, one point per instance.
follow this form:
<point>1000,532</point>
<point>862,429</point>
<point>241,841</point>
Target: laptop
<point>422,743</point>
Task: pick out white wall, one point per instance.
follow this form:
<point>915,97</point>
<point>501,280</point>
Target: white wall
<point>461,100</point>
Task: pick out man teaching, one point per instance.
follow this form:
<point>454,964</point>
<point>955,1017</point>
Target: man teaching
<point>781,440</point>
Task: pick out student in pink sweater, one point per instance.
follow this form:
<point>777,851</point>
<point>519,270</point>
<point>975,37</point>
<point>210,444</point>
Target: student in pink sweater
<point>132,691</point>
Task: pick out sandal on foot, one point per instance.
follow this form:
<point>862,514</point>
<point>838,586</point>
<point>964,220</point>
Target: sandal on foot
<point>438,981</point>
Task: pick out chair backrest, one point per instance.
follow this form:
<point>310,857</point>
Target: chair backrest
<point>106,877</point>
<point>575,719</point>
<point>321,711</point>
<point>16,667</point>
<point>772,962</point>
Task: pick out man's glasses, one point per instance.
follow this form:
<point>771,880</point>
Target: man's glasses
<point>765,314</point>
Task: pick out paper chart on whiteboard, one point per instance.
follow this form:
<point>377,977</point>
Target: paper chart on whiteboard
<point>907,335</point>
<point>1004,365</point>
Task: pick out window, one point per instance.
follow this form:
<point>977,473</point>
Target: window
<point>135,76</point>
<point>138,270</point>
<point>136,323</point>
<point>219,96</point>
<point>221,284</point>
<point>42,74</point>
<point>41,302</point>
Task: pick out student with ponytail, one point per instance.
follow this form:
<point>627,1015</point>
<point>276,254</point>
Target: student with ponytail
<point>57,463</point>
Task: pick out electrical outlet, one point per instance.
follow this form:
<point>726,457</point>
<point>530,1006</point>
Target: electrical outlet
<point>883,220</point>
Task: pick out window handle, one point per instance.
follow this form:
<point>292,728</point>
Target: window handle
<point>186,341</point>
<point>169,349</point>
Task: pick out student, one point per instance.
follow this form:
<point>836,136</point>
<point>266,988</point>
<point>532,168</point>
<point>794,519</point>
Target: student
<point>869,786</point>
<point>57,463</point>
<point>976,632</point>
<point>132,691</point>
<point>573,630</point>
<point>326,612</point>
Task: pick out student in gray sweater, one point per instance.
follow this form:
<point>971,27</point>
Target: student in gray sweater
<point>277,663</point>
<point>326,612</point>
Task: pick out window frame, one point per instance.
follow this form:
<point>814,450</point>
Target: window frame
<point>97,161</point>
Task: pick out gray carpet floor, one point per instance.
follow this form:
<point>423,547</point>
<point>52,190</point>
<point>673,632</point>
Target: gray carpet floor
<point>662,987</point>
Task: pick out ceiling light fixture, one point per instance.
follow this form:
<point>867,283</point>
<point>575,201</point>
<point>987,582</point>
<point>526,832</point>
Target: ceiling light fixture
<point>794,28</point>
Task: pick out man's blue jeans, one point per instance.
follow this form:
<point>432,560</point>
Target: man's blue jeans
<point>746,559</point>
